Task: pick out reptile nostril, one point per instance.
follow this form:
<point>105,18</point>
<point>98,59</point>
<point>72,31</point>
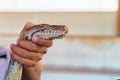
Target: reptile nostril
<point>65,29</point>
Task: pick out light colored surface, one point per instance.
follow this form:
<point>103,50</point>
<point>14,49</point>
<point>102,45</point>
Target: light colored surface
<point>76,76</point>
<point>58,5</point>
<point>79,53</point>
<point>83,23</point>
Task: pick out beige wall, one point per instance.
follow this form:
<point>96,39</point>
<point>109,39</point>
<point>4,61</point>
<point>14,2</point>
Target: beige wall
<point>100,54</point>
<point>84,23</point>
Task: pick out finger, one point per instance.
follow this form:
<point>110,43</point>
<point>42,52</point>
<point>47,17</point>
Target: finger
<point>23,61</point>
<point>31,46</point>
<point>27,26</point>
<point>42,42</point>
<point>25,53</point>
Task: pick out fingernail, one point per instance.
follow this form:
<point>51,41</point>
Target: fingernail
<point>34,38</point>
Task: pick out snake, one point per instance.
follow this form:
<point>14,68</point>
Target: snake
<point>45,31</point>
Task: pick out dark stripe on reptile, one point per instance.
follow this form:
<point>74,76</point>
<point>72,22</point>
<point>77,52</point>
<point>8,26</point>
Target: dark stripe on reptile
<point>36,32</point>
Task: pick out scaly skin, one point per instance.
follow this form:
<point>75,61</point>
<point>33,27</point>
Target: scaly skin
<point>43,30</point>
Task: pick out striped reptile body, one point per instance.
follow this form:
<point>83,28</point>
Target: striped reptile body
<point>43,30</point>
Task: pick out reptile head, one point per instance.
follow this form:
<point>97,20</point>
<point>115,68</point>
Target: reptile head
<point>47,31</point>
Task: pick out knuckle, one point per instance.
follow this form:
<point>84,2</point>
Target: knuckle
<point>33,64</point>
<point>44,50</point>
<point>51,42</point>
<point>39,57</point>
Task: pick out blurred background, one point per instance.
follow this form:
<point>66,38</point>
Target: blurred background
<point>91,49</point>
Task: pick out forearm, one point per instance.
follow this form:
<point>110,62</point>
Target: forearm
<point>32,73</point>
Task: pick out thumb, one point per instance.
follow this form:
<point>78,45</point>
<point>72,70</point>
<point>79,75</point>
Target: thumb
<point>27,26</point>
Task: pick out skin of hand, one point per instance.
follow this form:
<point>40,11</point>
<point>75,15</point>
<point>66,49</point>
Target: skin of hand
<point>29,54</point>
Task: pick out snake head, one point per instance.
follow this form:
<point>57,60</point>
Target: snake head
<point>46,31</point>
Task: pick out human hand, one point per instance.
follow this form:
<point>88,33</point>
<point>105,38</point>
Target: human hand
<point>29,53</point>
